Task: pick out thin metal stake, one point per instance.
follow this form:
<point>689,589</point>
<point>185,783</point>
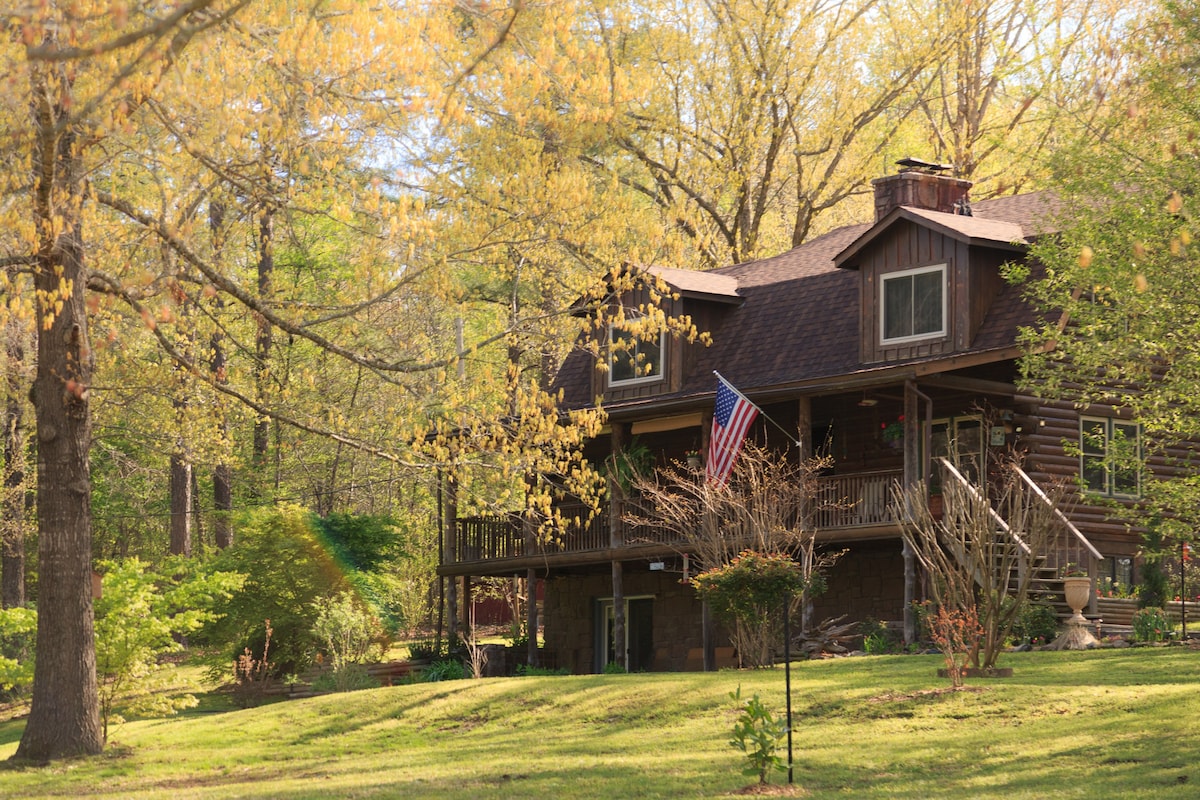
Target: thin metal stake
<point>787,676</point>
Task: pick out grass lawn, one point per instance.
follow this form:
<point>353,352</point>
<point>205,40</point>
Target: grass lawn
<point>1103,724</point>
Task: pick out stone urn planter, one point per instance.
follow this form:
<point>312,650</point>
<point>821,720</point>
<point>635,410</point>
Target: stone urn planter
<point>1077,591</point>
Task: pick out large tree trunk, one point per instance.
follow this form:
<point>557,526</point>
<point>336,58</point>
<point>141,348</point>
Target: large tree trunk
<point>222,474</point>
<point>12,530</point>
<point>265,335</point>
<point>181,506</point>
<point>64,719</point>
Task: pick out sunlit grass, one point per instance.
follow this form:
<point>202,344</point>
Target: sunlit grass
<point>1106,724</point>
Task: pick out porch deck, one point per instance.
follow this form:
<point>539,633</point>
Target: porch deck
<point>496,544</point>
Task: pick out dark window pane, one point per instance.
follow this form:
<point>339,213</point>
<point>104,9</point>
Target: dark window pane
<point>1095,476</point>
<point>927,302</point>
<point>624,352</point>
<point>897,307</point>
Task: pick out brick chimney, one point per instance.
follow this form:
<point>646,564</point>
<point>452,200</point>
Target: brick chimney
<point>920,184</point>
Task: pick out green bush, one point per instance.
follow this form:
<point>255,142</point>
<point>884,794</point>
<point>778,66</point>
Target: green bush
<point>1037,623</point>
<point>526,671</point>
<point>287,569</point>
<point>141,615</point>
<point>879,639</point>
<point>449,670</point>
<point>18,635</point>
<point>350,678</point>
<point>1151,625</point>
<point>347,630</point>
<point>757,733</point>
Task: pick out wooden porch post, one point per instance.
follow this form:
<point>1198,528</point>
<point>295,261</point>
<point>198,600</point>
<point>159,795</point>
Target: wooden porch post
<point>804,434</point>
<point>615,541</point>
<point>531,617</point>
<point>912,476</point>
<point>466,606</point>
<point>708,644</point>
<point>529,541</point>
<point>450,545</point>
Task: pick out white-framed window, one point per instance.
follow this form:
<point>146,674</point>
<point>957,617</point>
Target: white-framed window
<point>913,304</point>
<point>632,358</point>
<point>1110,455</point>
<point>959,439</point>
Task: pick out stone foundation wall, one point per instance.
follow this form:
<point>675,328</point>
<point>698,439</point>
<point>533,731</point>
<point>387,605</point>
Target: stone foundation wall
<point>571,613</point>
<point>868,581</point>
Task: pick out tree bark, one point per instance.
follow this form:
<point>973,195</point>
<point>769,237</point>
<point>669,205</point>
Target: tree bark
<point>12,532</point>
<point>265,335</point>
<point>64,719</point>
<point>222,477</point>
<point>181,506</point>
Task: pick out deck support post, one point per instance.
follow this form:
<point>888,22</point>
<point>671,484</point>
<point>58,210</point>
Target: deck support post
<point>450,519</point>
<point>913,475</point>
<point>531,617</point>
<point>804,436</point>
<point>616,541</point>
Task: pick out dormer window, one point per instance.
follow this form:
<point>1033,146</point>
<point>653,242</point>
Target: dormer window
<point>634,358</point>
<point>914,304</point>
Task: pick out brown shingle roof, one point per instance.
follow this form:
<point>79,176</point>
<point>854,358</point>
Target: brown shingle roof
<point>800,317</point>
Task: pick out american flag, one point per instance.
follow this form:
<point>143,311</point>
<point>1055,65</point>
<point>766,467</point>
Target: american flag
<point>731,418</point>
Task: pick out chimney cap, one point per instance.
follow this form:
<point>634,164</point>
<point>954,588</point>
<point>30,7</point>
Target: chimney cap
<point>910,163</point>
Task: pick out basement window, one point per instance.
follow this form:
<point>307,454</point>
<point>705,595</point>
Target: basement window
<point>913,304</point>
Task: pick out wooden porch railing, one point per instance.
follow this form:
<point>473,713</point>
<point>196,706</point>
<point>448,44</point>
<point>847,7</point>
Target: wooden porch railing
<point>846,501</point>
<point>856,500</point>
<point>485,538</point>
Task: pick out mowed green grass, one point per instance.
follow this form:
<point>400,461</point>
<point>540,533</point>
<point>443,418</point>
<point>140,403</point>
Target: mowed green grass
<point>1105,724</point>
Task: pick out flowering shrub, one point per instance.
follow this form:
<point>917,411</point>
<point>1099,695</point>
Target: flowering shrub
<point>956,633</point>
<point>1151,625</point>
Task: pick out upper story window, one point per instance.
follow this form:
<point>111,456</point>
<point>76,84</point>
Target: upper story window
<point>914,304</point>
<point>1110,452</point>
<point>633,357</point>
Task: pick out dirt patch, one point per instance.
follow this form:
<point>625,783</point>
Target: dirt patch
<point>892,697</point>
<point>772,790</point>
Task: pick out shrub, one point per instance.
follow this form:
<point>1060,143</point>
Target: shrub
<point>141,615</point>
<point>349,678</point>
<point>1151,625</point>
<point>1036,623</point>
<point>287,569</point>
<point>757,733</point>
<point>878,639</point>
<point>252,675</point>
<point>613,668</point>
<point>448,670</point>
<point>348,632</point>
<point>956,633</point>
<point>750,592</point>
<point>526,671</point>
<point>18,635</point>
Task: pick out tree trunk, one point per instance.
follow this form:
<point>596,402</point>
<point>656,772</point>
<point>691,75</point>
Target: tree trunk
<point>181,506</point>
<point>264,338</point>
<point>222,475</point>
<point>12,532</point>
<point>222,506</point>
<point>64,719</point>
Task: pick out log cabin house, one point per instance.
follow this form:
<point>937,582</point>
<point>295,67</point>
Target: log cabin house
<point>880,342</point>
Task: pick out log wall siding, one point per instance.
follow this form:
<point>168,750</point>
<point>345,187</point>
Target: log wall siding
<point>1048,427</point>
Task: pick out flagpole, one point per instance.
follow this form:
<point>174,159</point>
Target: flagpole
<point>766,416</point>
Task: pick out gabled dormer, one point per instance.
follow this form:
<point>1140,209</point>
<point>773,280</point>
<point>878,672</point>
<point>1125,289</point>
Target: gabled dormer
<point>640,360</point>
<point>929,270</point>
